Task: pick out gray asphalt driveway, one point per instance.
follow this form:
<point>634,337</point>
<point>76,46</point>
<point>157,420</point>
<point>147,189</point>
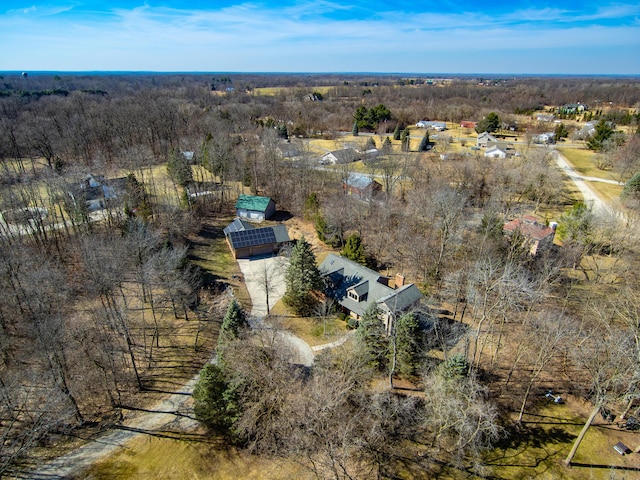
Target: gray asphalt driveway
<point>264,275</point>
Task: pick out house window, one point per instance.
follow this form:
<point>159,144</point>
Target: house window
<point>353,295</point>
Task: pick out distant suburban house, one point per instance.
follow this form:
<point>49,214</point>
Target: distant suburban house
<point>484,138</point>
<point>361,185</point>
<point>345,155</point>
<point>495,152</point>
<point>98,192</point>
<point>544,138</point>
<point>545,117</point>
<point>355,287</point>
<point>437,126</point>
<point>370,155</point>
<point>246,241</point>
<point>570,108</point>
<point>588,130</point>
<point>466,124</point>
<point>255,208</point>
<point>537,236</point>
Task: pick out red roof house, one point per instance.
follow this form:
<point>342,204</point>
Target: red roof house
<point>537,235</point>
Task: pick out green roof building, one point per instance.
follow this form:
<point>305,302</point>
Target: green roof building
<point>255,208</point>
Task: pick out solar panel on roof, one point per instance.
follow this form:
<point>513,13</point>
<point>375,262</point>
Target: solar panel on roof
<point>252,238</point>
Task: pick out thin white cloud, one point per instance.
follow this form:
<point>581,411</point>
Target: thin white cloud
<point>39,11</point>
<point>249,34</point>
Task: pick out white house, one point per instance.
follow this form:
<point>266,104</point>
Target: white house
<point>544,138</point>
<point>495,152</point>
<point>484,138</point>
<point>346,155</point>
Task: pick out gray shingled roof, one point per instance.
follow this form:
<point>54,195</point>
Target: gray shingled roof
<point>344,274</point>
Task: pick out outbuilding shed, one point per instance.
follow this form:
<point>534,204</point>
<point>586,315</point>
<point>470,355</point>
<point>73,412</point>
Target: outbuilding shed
<point>255,208</point>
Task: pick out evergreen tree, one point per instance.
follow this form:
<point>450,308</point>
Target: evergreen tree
<point>577,224</point>
<point>561,131</point>
<point>136,199</point>
<point>370,143</point>
<point>424,143</point>
<point>603,132</point>
<point>302,279</point>
<point>387,146</point>
<point>407,332</point>
<point>397,132</point>
<point>371,339</point>
<point>354,130</point>
<point>311,206</point>
<point>233,323</point>
<point>179,169</point>
<point>490,123</point>
<point>455,367</point>
<point>405,138</point>
<point>321,227</point>
<point>632,187</point>
<point>354,249</point>
<point>215,401</point>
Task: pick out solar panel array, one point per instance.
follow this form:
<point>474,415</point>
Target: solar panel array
<point>236,226</point>
<point>252,238</point>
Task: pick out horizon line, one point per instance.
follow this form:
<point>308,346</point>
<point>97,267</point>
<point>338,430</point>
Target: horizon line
<point>230,72</point>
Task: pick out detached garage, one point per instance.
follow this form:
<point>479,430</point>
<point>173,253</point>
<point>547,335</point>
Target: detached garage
<point>255,208</point>
<point>246,241</point>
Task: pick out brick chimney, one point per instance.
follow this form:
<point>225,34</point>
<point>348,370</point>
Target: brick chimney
<point>399,280</point>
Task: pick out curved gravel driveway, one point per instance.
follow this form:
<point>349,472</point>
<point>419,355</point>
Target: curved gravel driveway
<point>175,412</point>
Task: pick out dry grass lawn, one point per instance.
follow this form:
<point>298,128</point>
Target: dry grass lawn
<point>583,161</point>
<point>190,458</point>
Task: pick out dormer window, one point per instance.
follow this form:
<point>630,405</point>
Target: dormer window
<point>359,292</point>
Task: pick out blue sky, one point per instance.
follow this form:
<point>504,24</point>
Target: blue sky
<point>544,37</point>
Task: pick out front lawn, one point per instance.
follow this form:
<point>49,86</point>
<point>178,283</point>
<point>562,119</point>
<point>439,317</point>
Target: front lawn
<point>313,330</point>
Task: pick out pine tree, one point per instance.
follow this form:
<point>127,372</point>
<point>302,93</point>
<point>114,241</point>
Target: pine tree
<point>302,279</point>
<point>179,169</point>
<point>233,323</point>
<point>490,123</point>
<point>215,401</point>
<point>354,131</point>
<point>387,146</point>
<point>354,249</point>
<point>407,332</point>
<point>397,132</point>
<point>632,187</point>
<point>602,134</point>
<point>405,138</point>
<point>424,143</point>
<point>371,338</point>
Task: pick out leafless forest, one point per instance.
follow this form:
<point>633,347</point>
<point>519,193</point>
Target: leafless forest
<point>95,311</point>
